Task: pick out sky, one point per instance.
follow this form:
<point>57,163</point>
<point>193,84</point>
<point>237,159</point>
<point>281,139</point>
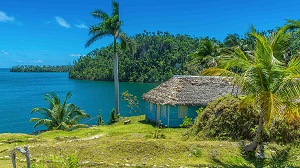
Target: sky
<point>54,32</point>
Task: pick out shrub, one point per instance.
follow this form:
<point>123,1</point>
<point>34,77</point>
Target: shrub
<point>224,118</point>
<point>113,117</point>
<point>187,122</point>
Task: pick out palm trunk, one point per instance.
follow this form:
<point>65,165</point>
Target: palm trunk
<point>257,139</point>
<point>116,77</point>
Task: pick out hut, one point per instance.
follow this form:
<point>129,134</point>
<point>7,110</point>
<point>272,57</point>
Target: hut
<point>181,96</point>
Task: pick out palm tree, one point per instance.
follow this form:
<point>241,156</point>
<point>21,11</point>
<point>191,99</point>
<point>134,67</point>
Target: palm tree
<point>205,56</point>
<point>268,83</point>
<point>110,26</point>
<point>59,116</point>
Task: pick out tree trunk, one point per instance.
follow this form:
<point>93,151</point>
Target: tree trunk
<point>116,77</point>
<point>257,139</point>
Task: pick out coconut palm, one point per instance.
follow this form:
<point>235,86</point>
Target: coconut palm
<point>205,56</point>
<point>65,116</point>
<point>268,83</point>
<point>110,26</point>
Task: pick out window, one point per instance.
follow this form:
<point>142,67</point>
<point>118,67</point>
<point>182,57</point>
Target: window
<point>182,111</point>
<point>163,111</point>
<point>150,107</point>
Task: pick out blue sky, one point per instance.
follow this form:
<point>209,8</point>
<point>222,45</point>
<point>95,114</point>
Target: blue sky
<point>54,32</point>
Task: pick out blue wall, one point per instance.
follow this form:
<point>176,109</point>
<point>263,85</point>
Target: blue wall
<point>173,121</point>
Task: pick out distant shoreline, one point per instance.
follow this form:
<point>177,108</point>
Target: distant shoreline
<point>41,68</point>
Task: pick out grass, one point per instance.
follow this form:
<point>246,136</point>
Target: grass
<point>121,145</point>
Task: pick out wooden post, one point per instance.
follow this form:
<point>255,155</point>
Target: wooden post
<point>24,151</point>
<point>27,155</point>
<point>13,159</point>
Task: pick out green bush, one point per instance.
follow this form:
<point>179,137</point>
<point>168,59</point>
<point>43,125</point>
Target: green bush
<point>187,122</point>
<point>225,119</point>
<point>113,117</point>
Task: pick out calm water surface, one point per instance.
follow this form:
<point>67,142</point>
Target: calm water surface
<point>21,92</point>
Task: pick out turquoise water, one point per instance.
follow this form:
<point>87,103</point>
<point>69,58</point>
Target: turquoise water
<point>21,92</point>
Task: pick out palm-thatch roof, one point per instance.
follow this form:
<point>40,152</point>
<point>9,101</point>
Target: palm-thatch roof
<point>190,90</point>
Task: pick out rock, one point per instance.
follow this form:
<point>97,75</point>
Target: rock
<point>85,162</point>
<point>133,165</point>
<point>101,162</point>
<point>6,157</point>
<point>127,165</point>
<point>167,165</point>
<point>144,163</point>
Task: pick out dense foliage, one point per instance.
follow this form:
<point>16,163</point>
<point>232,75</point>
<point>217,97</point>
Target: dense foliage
<point>44,68</point>
<point>59,115</point>
<point>268,76</point>
<point>225,119</point>
<point>158,57</point>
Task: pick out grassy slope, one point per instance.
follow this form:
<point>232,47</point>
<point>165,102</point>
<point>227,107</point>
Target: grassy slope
<point>119,144</point>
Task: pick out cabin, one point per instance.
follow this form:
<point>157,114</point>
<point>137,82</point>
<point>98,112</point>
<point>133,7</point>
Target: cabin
<point>181,96</point>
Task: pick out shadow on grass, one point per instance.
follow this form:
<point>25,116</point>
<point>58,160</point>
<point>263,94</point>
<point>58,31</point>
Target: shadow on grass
<point>148,123</point>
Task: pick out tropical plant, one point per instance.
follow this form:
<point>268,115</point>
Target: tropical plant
<point>65,116</point>
<point>205,56</point>
<point>132,101</point>
<point>271,86</point>
<point>114,117</point>
<point>110,26</point>
<point>100,120</point>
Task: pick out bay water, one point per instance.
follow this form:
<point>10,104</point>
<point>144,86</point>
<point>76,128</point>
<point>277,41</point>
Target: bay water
<point>21,92</point>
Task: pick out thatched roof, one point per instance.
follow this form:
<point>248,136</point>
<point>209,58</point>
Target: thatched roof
<point>190,90</point>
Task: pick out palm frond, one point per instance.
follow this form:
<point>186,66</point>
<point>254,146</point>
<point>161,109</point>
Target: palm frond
<point>115,8</point>
<point>218,72</point>
<point>293,68</point>
<point>248,101</point>
<point>99,14</point>
<point>39,121</point>
<point>97,36</point>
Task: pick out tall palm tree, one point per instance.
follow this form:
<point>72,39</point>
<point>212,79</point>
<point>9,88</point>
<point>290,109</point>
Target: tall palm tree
<point>59,116</point>
<point>268,83</point>
<point>110,26</point>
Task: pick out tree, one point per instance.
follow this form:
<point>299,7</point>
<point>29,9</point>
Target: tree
<point>232,40</point>
<point>205,56</point>
<point>110,26</point>
<point>65,116</point>
<point>269,84</point>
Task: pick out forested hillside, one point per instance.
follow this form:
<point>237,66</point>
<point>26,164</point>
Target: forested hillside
<point>161,55</point>
<point>158,57</point>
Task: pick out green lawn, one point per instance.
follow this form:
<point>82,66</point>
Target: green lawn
<point>134,144</point>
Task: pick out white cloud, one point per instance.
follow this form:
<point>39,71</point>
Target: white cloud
<point>81,26</point>
<point>5,18</point>
<point>76,55</point>
<point>38,61</point>
<point>4,52</point>
<point>62,22</point>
